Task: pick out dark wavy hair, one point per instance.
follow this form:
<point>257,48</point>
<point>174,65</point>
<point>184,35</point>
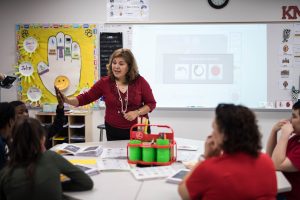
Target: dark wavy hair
<point>239,126</point>
<point>16,103</point>
<point>296,106</point>
<point>26,148</point>
<point>127,55</point>
<point>7,113</point>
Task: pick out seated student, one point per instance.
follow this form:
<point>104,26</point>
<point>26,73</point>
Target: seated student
<point>285,152</point>
<point>234,167</point>
<point>20,109</point>
<point>7,120</point>
<point>34,173</point>
<point>57,125</point>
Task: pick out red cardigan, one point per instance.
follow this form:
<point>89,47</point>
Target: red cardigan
<point>139,94</point>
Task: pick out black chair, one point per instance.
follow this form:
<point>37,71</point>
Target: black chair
<point>101,127</point>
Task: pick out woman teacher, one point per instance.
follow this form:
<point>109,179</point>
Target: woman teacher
<point>127,95</point>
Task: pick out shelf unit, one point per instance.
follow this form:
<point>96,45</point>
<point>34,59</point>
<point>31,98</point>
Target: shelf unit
<point>77,129</point>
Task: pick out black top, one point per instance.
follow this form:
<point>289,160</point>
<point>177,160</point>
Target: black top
<point>46,180</point>
<point>3,154</point>
<point>56,127</point>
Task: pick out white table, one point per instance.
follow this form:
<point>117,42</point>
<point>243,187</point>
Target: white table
<point>122,185</point>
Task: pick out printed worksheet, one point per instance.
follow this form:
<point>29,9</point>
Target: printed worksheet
<point>186,156</point>
<point>114,153</point>
<point>143,173</point>
<point>112,164</point>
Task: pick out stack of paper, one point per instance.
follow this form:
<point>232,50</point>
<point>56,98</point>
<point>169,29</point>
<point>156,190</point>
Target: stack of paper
<point>77,138</point>
<point>76,125</point>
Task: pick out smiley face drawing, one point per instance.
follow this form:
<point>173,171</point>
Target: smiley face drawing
<point>62,83</point>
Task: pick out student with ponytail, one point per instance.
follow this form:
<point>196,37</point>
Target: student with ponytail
<point>34,173</point>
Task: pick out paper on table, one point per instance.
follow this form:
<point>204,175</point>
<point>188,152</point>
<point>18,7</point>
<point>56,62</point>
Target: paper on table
<point>185,156</point>
<point>113,164</point>
<point>72,149</point>
<point>114,153</point>
<point>83,161</point>
<point>143,173</point>
<point>187,147</point>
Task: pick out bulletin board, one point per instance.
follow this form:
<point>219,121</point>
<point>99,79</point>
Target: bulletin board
<point>65,55</point>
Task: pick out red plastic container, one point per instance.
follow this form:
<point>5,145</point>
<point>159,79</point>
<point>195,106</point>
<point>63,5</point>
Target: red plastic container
<point>149,141</point>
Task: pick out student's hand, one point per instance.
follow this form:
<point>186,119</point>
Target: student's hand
<point>211,148</point>
<point>279,124</point>
<point>131,115</point>
<point>190,164</point>
<point>59,98</point>
<point>287,129</point>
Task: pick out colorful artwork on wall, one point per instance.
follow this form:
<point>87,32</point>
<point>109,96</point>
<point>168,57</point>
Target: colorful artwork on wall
<point>64,55</point>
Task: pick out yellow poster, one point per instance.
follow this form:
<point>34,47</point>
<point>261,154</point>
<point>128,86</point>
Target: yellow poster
<point>64,55</point>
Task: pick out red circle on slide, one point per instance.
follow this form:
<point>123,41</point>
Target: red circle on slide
<point>285,48</point>
<point>215,70</point>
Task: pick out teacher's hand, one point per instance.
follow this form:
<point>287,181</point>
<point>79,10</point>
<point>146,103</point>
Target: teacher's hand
<point>131,115</point>
<point>61,98</point>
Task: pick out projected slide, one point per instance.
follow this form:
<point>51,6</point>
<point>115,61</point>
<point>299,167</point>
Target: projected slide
<point>198,68</point>
<point>203,65</point>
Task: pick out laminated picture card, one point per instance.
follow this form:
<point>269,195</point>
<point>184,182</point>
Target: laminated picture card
<point>71,149</point>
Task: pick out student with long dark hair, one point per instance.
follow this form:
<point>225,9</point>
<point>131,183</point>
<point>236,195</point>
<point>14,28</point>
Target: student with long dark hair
<point>7,120</point>
<point>34,173</point>
<point>234,166</point>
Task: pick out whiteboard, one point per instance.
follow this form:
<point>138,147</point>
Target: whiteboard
<point>202,65</point>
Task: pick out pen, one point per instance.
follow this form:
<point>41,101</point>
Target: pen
<point>139,121</point>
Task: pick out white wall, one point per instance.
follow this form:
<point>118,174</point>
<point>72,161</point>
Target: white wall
<point>189,124</point>
<point>195,124</point>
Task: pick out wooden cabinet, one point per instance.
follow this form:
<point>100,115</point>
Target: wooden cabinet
<point>77,127</point>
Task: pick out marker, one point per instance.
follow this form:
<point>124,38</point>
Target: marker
<point>146,127</point>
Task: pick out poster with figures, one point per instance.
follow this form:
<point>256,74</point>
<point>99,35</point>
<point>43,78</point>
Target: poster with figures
<point>64,55</point>
<point>127,10</point>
